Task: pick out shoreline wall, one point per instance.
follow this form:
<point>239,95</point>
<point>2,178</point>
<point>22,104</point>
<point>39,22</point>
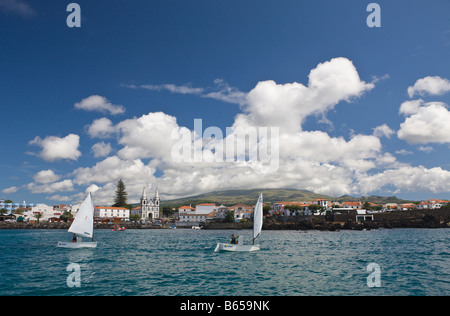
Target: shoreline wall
<point>439,218</point>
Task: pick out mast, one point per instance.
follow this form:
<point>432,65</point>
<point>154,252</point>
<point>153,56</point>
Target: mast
<point>257,218</point>
<point>93,211</point>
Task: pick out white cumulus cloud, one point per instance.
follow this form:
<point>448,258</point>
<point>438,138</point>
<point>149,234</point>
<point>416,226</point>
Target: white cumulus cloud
<point>101,128</point>
<point>57,148</point>
<point>408,179</point>
<point>10,190</point>
<point>287,105</point>
<point>429,86</point>
<point>383,130</point>
<point>99,104</point>
<point>148,136</point>
<point>62,186</point>
<point>111,169</point>
<point>46,176</point>
<point>101,149</point>
<point>427,123</point>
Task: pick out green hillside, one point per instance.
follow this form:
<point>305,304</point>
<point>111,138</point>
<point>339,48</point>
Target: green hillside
<point>249,196</point>
<point>231,197</point>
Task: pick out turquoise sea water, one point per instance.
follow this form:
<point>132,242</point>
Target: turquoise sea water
<point>183,262</point>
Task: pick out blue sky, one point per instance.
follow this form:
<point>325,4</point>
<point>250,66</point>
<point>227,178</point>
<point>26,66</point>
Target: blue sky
<point>200,59</point>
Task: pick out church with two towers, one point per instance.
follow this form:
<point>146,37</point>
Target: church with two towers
<point>149,208</point>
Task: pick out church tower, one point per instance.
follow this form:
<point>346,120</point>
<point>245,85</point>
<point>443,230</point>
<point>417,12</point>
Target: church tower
<point>145,207</point>
<point>156,199</point>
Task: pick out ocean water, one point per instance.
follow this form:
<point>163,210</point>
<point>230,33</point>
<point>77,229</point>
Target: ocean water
<point>183,262</point>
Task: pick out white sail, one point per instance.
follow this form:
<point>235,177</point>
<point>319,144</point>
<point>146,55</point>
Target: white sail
<point>258,217</point>
<point>257,226</point>
<point>83,224</point>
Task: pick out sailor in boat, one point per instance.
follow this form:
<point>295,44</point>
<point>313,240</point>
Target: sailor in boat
<point>234,239</point>
<point>74,239</point>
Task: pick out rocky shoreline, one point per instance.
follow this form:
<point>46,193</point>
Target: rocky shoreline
<point>400,219</point>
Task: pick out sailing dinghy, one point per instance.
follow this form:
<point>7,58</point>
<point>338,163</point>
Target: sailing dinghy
<point>257,226</point>
<point>82,226</point>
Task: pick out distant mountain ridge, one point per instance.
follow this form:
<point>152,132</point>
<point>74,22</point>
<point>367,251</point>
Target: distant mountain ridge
<point>249,196</point>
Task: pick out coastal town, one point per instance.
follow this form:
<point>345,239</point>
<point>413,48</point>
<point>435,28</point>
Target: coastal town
<point>150,212</point>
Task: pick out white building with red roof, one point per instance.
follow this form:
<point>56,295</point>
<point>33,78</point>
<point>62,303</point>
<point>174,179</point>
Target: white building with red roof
<point>109,213</point>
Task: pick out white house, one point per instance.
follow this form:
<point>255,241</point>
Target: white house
<point>193,218</point>
<point>282,208</point>
<point>222,211</point>
<point>47,212</point>
<point>241,211</point>
<point>188,216</point>
<point>322,202</point>
<point>184,210</point>
<point>109,213</point>
<point>243,215</point>
<point>353,205</point>
<point>205,208</point>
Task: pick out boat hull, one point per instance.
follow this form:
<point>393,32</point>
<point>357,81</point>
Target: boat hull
<point>236,248</point>
<point>75,245</point>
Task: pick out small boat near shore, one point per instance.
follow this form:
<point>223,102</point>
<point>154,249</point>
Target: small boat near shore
<point>257,227</point>
<point>82,226</point>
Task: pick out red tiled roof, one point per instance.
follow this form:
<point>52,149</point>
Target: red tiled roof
<point>111,207</point>
<point>352,203</point>
<point>187,207</point>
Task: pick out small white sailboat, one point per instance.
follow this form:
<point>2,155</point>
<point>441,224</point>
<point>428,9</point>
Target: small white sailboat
<point>82,226</point>
<point>257,226</point>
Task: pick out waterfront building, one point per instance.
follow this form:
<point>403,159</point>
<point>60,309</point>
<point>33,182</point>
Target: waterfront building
<point>205,208</point>
<point>352,205</point>
<point>192,219</point>
<point>243,215</point>
<point>433,203</point>
<point>47,212</point>
<point>189,216</point>
<point>186,210</point>
<point>222,211</point>
<point>279,208</point>
<point>111,214</point>
<point>241,211</point>
<point>322,202</point>
<point>362,216</point>
<point>391,206</point>
<point>406,206</point>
